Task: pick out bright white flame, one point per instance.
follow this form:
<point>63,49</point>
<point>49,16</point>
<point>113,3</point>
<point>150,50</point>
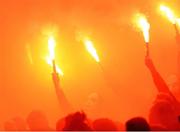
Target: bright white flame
<point>144,26</point>
<point>90,48</point>
<point>51,47</point>
<point>169,13</point>
<point>51,57</point>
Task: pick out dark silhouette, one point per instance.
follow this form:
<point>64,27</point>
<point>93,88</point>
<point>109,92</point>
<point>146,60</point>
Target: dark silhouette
<point>166,109</point>
<point>76,122</point>
<point>37,121</point>
<point>104,124</point>
<point>137,124</point>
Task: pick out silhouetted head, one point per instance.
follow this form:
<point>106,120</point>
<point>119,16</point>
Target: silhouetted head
<point>76,122</point>
<point>10,126</point>
<point>137,124</point>
<point>104,124</point>
<point>20,123</point>
<point>37,120</point>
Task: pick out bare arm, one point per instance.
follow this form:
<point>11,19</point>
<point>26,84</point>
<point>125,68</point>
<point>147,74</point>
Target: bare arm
<point>64,103</point>
<point>157,78</point>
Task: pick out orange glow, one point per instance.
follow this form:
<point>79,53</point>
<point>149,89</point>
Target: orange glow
<point>168,13</point>
<point>29,54</point>
<point>144,25</point>
<point>90,48</point>
<point>51,57</point>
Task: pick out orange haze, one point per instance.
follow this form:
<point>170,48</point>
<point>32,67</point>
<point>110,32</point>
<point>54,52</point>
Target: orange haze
<point>25,86</point>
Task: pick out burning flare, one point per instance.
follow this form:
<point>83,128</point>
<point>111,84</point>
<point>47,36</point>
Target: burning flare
<point>51,47</point>
<point>168,13</point>
<point>144,26</point>
<point>90,48</point>
<point>51,57</point>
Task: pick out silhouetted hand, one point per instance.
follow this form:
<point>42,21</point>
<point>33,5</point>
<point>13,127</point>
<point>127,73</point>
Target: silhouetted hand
<point>149,62</point>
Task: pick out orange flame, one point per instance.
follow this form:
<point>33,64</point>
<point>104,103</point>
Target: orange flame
<point>168,13</point>
<point>51,57</point>
<point>144,26</point>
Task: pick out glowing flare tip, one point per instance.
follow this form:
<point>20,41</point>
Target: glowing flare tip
<point>90,48</point>
<point>169,13</point>
<point>51,57</point>
<point>145,27</point>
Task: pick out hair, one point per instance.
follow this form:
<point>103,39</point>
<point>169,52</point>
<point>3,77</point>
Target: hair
<point>76,122</point>
<point>137,124</point>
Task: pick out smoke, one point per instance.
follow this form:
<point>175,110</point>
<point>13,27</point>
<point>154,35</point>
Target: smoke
<point>120,47</point>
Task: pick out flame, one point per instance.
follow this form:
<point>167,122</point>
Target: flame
<point>90,48</point>
<point>169,13</point>
<point>51,57</point>
<point>144,26</point>
<point>51,47</point>
<point>49,61</point>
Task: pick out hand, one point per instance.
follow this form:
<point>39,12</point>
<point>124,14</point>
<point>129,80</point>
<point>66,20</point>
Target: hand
<point>149,62</point>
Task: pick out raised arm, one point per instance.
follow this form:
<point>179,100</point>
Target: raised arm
<point>157,78</point>
<point>159,82</point>
<point>63,101</point>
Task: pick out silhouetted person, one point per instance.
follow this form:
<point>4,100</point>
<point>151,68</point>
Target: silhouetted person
<point>137,124</point>
<point>163,113</point>
<point>165,110</point>
<point>104,124</point>
<point>63,101</point>
<point>37,121</point>
<point>159,82</point>
<point>76,122</point>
